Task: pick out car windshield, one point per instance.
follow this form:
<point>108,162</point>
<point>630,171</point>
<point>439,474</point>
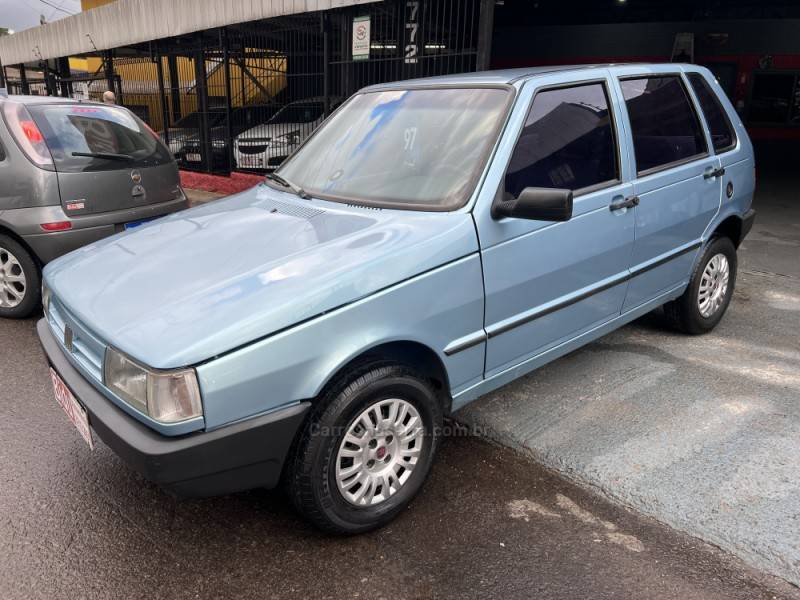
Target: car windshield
<point>416,149</point>
<point>97,138</point>
<point>298,113</point>
<point>193,120</point>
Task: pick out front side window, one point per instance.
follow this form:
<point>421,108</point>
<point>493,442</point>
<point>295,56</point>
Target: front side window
<point>418,148</point>
<point>722,135</point>
<point>665,128</point>
<point>97,138</point>
<point>568,142</point>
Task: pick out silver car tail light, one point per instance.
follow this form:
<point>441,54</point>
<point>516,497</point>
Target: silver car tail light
<point>27,134</point>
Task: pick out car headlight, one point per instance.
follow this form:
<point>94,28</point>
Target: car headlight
<point>46,299</point>
<point>166,396</point>
<point>291,138</point>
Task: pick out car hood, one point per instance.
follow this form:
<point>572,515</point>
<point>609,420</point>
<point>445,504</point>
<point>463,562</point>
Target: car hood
<point>267,131</point>
<point>195,284</point>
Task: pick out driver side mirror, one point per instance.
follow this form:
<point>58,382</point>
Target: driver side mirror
<point>539,204</point>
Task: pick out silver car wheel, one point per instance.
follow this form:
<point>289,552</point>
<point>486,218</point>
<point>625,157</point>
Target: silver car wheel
<point>12,280</point>
<point>379,452</point>
<point>713,285</point>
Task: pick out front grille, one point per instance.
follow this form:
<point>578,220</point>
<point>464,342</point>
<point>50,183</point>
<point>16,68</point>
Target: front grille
<point>256,149</point>
<point>86,348</point>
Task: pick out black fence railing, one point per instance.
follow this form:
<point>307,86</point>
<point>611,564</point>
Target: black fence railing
<point>245,96</point>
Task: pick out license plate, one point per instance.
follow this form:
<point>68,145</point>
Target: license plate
<point>133,224</point>
<point>194,157</point>
<point>75,412</point>
<point>252,161</point>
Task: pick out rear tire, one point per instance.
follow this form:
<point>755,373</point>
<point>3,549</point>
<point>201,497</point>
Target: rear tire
<point>20,280</point>
<point>389,452</point>
<point>703,304</point>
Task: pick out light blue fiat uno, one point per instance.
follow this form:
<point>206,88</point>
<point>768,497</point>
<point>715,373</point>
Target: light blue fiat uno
<point>432,241</point>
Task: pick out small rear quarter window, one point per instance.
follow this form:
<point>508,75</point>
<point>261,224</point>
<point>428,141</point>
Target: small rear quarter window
<point>722,134</point>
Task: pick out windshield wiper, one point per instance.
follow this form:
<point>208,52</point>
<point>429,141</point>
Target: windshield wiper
<point>288,184</point>
<point>108,155</point>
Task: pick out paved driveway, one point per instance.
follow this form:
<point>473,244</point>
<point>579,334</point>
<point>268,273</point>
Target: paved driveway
<point>77,524</point>
<point>702,433</point>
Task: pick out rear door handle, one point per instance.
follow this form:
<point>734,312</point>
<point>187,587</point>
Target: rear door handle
<point>713,173</point>
<point>629,202</point>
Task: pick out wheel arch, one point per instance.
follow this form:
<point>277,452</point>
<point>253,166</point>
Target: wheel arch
<point>417,355</point>
<point>4,230</point>
<point>730,227</point>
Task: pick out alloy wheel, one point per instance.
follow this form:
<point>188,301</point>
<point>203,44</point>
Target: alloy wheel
<point>713,285</point>
<point>379,452</point>
<point>12,280</point>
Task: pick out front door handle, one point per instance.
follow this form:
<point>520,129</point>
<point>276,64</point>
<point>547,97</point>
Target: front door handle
<point>713,173</point>
<point>629,202</point>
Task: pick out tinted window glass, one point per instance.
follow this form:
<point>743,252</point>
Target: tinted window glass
<point>722,135</point>
<point>98,130</point>
<point>665,126</point>
<point>568,141</point>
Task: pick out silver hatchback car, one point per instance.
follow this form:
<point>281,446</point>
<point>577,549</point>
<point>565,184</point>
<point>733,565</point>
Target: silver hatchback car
<point>72,173</point>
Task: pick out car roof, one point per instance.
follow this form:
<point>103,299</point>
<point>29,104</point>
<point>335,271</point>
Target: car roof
<point>508,76</point>
<point>30,100</point>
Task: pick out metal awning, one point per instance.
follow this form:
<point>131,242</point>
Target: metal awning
<point>127,22</point>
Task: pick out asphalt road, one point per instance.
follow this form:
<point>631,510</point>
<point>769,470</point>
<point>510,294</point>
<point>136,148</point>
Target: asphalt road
<point>78,524</point>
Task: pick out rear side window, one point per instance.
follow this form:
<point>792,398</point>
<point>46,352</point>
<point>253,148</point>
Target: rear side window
<point>722,136</point>
<point>568,142</point>
<point>665,128</point>
<point>97,138</point>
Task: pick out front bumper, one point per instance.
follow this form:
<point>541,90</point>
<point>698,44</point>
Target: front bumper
<point>241,456</point>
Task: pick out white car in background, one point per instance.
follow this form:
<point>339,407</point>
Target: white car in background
<point>266,146</point>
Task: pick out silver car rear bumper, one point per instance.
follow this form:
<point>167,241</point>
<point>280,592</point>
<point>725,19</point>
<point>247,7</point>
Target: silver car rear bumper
<point>26,222</point>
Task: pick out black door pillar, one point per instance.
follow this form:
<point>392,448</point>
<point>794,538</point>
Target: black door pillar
<point>23,79</point>
<point>108,67</point>
<point>226,64</point>
<point>162,98</point>
<point>174,87</point>
<point>65,74</point>
<point>201,89</point>
<point>485,29</point>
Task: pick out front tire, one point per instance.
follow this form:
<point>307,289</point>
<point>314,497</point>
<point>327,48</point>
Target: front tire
<point>20,280</point>
<point>703,304</point>
<point>366,449</point>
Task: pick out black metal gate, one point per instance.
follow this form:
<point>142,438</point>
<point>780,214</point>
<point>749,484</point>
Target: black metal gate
<point>408,39</point>
<point>245,96</point>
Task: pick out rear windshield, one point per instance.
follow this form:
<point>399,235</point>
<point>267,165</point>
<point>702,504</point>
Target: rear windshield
<point>115,137</point>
